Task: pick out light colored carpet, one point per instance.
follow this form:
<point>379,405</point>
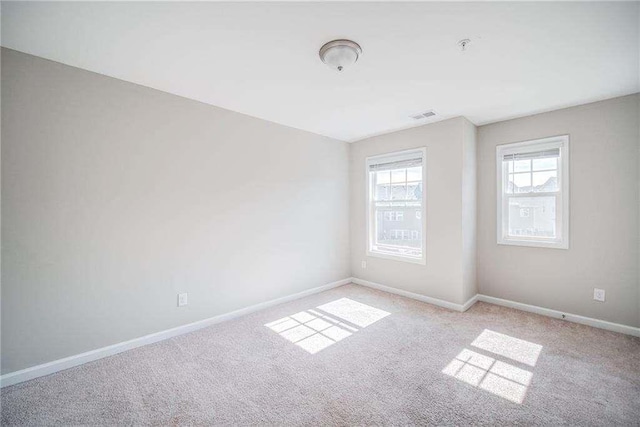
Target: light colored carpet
<point>377,359</point>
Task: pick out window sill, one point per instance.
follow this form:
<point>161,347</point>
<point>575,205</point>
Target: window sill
<point>534,243</point>
<point>420,261</point>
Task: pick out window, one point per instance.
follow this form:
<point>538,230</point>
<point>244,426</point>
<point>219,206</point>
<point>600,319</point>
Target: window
<point>533,193</point>
<point>396,199</point>
<point>394,216</point>
<point>400,234</point>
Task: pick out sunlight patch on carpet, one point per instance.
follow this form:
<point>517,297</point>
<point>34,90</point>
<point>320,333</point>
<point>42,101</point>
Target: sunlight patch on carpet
<point>315,330</point>
<point>490,374</point>
<point>514,348</point>
<point>354,312</point>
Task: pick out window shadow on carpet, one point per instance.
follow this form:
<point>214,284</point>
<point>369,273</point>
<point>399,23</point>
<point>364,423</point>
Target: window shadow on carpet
<point>316,329</point>
<point>490,374</point>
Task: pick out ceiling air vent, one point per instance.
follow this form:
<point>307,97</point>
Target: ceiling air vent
<point>424,115</point>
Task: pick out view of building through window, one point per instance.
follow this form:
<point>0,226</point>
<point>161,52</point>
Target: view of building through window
<point>532,216</point>
<point>397,205</point>
<point>534,198</point>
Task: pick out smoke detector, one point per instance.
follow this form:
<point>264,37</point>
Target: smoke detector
<point>424,115</point>
<point>339,54</point>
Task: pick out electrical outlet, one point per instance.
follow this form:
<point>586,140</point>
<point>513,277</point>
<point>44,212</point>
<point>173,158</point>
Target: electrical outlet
<point>364,264</point>
<point>182,300</point>
<point>598,294</point>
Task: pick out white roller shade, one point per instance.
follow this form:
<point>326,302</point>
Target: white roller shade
<point>544,154</point>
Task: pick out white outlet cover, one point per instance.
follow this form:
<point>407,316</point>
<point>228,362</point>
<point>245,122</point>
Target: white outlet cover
<point>364,264</point>
<point>182,300</point>
<point>598,294</point>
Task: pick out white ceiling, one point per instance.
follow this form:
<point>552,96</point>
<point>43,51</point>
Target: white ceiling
<point>261,58</point>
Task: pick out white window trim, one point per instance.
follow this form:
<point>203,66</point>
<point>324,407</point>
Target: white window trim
<point>390,156</point>
<point>561,141</point>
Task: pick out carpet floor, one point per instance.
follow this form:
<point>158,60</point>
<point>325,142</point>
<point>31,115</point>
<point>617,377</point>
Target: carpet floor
<point>352,356</point>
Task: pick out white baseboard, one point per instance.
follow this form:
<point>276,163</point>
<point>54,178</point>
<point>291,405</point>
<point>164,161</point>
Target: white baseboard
<point>467,305</point>
<point>419,297</point>
<point>596,323</point>
<point>602,324</point>
<point>79,359</point>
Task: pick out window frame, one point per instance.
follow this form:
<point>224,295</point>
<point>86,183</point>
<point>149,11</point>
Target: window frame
<point>370,209</point>
<point>562,207</point>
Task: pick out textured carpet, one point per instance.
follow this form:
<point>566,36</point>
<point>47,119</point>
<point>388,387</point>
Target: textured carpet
<point>353,356</point>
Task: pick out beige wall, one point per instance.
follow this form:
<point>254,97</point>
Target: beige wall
<point>442,276</point>
<point>469,189</point>
<point>117,197</point>
<point>604,206</point>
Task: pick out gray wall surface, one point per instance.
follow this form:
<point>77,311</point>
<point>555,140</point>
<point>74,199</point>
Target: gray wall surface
<point>604,210</point>
<point>116,197</point>
<point>469,210</point>
<point>442,276</point>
